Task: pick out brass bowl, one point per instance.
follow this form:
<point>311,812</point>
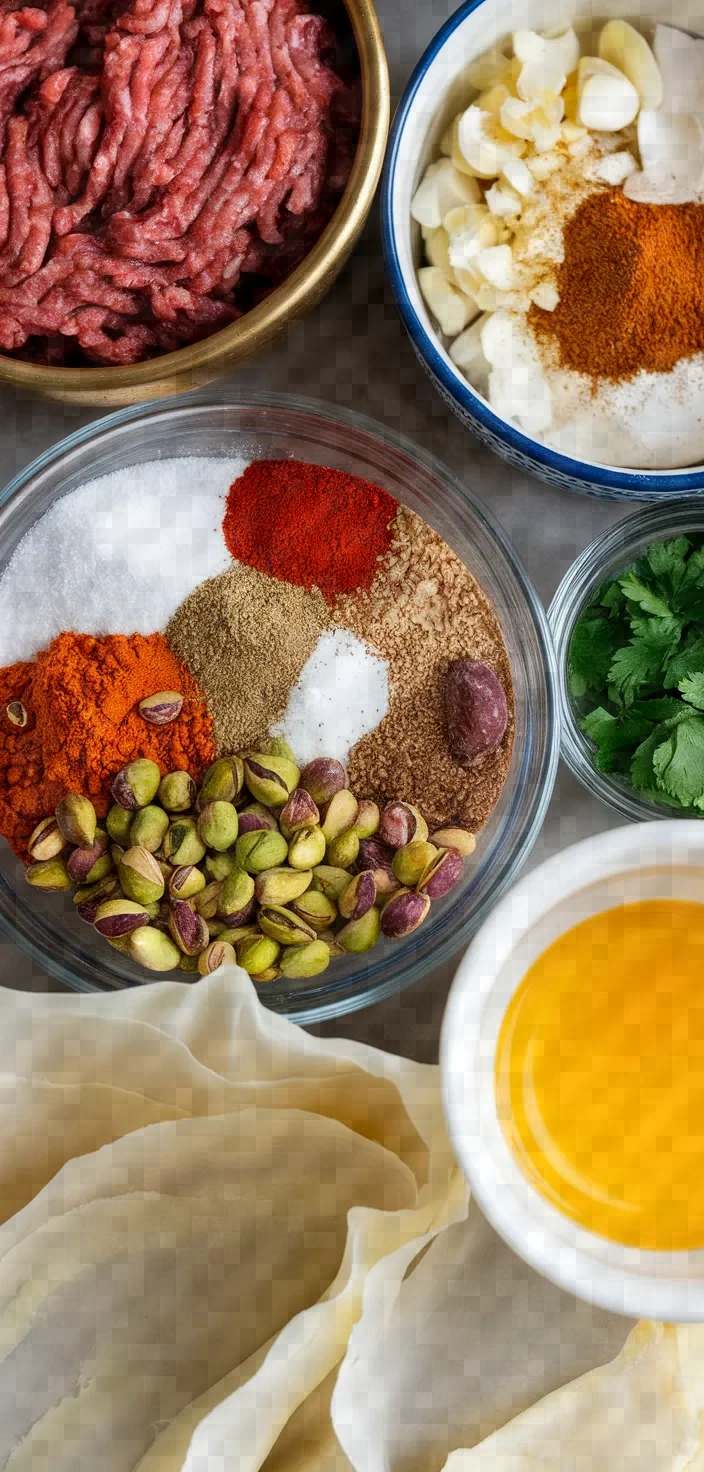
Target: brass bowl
<point>235,345</point>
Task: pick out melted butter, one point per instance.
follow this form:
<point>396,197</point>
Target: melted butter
<point>600,1074</point>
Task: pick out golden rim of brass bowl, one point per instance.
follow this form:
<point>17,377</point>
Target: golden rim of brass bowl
<point>231,347</point>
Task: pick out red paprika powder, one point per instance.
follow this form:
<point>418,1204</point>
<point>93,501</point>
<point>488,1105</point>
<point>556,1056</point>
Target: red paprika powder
<point>308,525</point>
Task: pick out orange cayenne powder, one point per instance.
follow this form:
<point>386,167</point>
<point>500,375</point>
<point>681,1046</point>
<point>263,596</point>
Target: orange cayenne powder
<point>81,696</point>
<point>631,288</point>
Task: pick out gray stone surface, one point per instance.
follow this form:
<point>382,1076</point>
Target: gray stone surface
<point>353,352</point>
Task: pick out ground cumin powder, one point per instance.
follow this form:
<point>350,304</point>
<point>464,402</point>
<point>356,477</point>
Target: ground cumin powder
<point>631,288</point>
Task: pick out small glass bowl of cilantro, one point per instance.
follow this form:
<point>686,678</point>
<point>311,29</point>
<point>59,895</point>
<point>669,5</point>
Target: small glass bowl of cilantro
<point>628,624</point>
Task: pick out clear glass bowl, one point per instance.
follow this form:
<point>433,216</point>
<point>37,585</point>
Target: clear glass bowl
<point>606,558</point>
<point>280,426</point>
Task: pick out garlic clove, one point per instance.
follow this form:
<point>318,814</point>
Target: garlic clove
<point>493,100</point>
<point>466,243</point>
<point>608,102</point>
<point>542,165</point>
<point>468,280</point>
<point>450,307</point>
<point>680,58</point>
<point>545,295</point>
<point>518,175</point>
<point>504,201</point>
<point>565,44</point>
<point>623,46</point>
<point>467,353</point>
<point>496,264</point>
<point>528,45</point>
<point>465,217</point>
<point>484,144</point>
<point>672,153</point>
<point>541,80</point>
<point>517,117</point>
<point>441,189</point>
<point>437,249</point>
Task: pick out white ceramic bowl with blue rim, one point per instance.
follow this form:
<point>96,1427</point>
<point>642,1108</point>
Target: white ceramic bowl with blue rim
<point>433,96</point>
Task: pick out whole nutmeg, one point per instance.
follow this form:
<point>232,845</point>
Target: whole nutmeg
<point>401,824</point>
<point>188,929</point>
<point>403,913</point>
<point>161,708</point>
<point>322,778</point>
<point>299,812</point>
<point>476,710</point>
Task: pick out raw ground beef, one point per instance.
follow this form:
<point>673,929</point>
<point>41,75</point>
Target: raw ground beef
<point>163,164</point>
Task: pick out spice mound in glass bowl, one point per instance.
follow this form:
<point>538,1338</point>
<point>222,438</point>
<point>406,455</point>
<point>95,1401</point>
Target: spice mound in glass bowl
<point>161,659</point>
<point>164,167</point>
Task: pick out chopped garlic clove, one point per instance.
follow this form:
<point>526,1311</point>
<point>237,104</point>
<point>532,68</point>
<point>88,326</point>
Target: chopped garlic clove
<point>493,100</point>
<point>519,176</point>
<point>496,264</point>
<point>572,132</point>
<point>626,49</point>
<point>565,44</point>
<point>672,153</point>
<point>517,118</point>
<point>465,217</point>
<point>541,80</point>
<point>487,69</point>
<point>608,102</point>
<point>545,295</point>
<point>467,353</point>
<point>613,168</point>
<point>680,58</point>
<point>542,165</point>
<point>437,250</point>
<point>538,123</point>
<point>483,143</point>
<point>468,280</point>
<point>466,242</point>
<point>504,201</point>
<point>528,45</point>
<point>441,189</point>
<point>487,298</point>
<point>450,307</point>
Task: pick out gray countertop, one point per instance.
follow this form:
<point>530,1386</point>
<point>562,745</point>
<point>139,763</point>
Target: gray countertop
<point>353,352</point>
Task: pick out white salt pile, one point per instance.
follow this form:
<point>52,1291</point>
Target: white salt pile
<point>342,693</point>
<point>118,555</point>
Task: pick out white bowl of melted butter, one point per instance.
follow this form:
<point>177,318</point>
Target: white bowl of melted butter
<point>615,414</point>
<point>572,1060</point>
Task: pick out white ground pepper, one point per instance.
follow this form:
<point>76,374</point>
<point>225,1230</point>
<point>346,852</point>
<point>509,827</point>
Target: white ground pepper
<point>424,610</point>
<point>246,638</point>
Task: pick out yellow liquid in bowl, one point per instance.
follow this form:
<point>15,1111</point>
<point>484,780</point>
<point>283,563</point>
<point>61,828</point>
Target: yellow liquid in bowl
<point>600,1074</point>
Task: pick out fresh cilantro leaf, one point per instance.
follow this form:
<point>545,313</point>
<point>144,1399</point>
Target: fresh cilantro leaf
<point>694,571</point>
<point>657,710</point>
<point>666,561</point>
<point>692,687</point>
<point>613,735</point>
<point>643,660</point>
<point>687,661</point>
<point>637,592</point>
<point>612,600</point>
<point>689,602</point>
<point>642,774</point>
<point>592,648</point>
<point>679,762</point>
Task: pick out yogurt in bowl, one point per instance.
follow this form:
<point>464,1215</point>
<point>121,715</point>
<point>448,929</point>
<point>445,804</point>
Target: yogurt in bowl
<point>546,269</point>
<point>579,1192</point>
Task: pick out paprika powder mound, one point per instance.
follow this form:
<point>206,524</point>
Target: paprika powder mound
<point>631,288</point>
<point>309,525</point>
<point>81,696</point>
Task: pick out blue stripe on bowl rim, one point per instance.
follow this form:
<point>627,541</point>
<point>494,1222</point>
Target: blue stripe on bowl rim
<point>604,481</point>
